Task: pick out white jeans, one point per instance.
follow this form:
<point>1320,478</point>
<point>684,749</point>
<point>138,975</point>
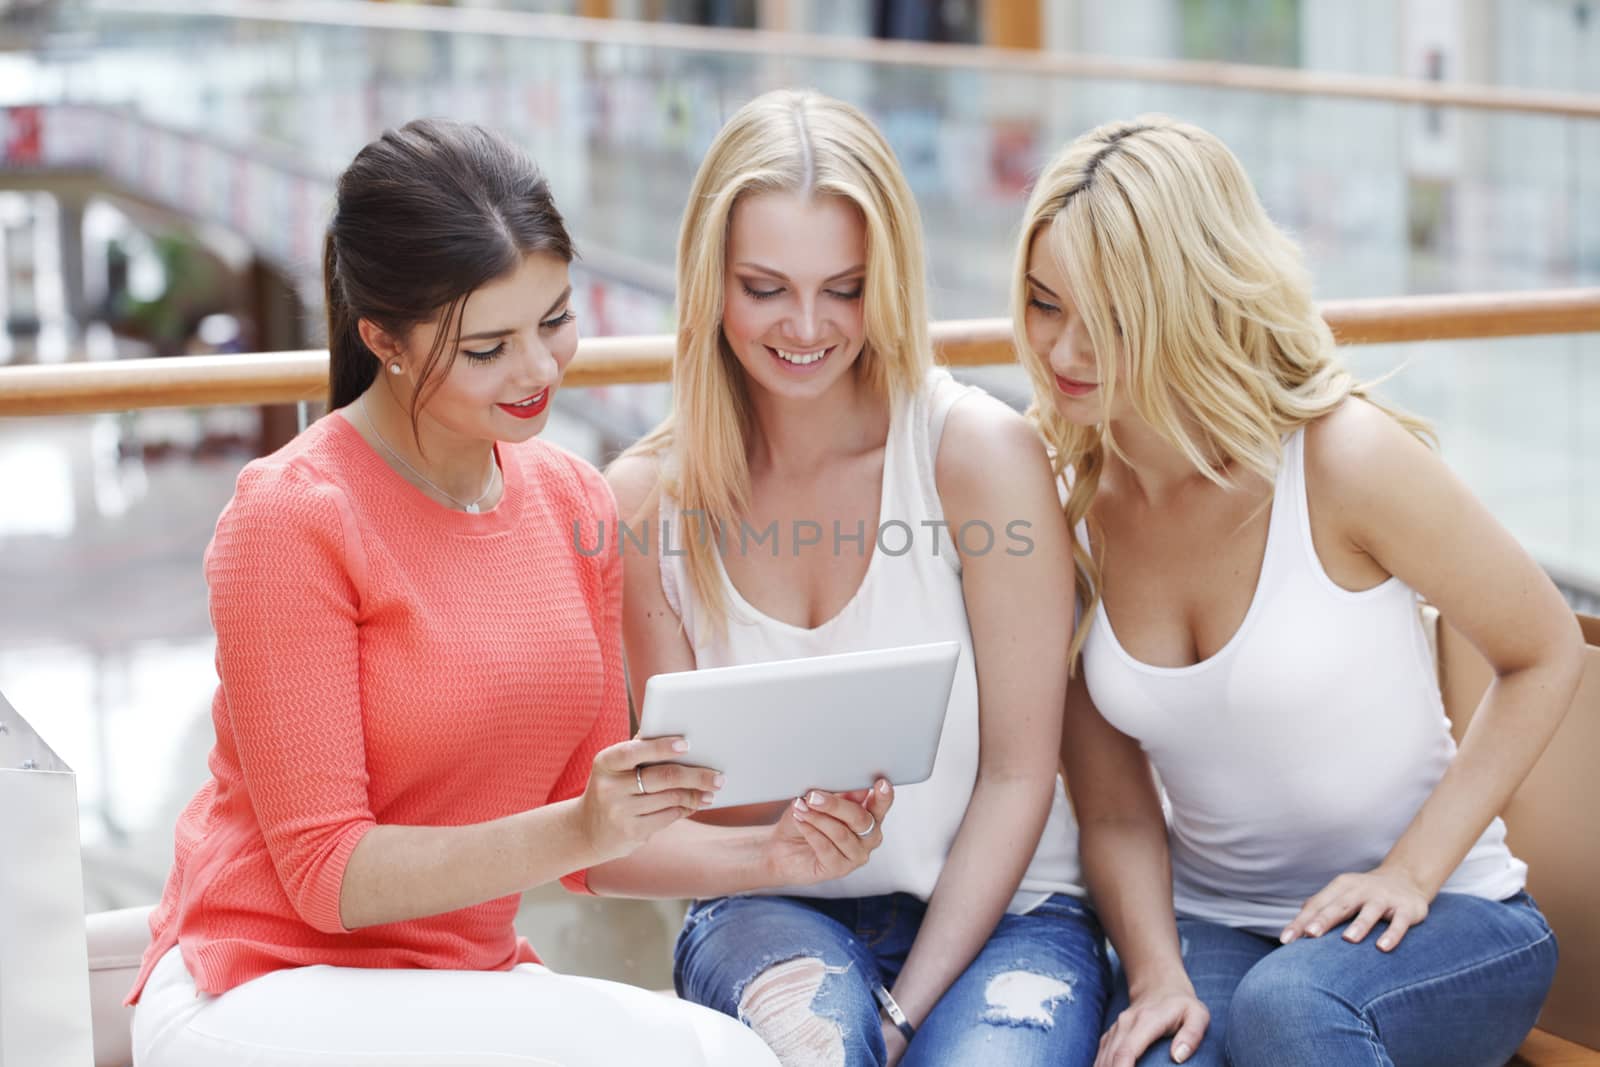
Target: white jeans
<point>333,1016</point>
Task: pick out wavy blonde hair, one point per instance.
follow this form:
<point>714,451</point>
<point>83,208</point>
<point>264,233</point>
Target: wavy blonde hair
<point>783,141</point>
<point>1173,263</point>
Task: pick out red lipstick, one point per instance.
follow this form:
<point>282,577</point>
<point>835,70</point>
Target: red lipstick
<point>525,410</point>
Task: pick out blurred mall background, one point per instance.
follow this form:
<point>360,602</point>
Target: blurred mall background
<point>167,168</point>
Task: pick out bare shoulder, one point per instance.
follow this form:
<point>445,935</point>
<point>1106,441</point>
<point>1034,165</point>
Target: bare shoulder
<point>985,446</point>
<point>1396,500</point>
<point>1358,453</point>
<point>634,479</point>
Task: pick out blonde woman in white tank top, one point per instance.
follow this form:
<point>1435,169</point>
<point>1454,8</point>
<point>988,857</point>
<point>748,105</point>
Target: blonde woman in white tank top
<point>1332,885</point>
<point>864,500</point>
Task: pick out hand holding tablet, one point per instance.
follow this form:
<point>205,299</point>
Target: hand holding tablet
<point>619,813</point>
<point>823,836</point>
<point>837,723</point>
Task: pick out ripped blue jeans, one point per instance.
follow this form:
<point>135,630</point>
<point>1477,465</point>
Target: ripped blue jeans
<point>801,972</point>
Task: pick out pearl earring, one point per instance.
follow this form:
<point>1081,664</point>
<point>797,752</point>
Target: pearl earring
<point>396,368</point>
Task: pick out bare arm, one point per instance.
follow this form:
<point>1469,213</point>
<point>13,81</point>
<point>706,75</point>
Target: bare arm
<point>1122,840</point>
<point>1123,843</point>
<point>403,872</point>
<point>410,872</point>
<point>397,873</point>
<point>1418,522</point>
<point>652,635</point>
<point>694,859</point>
<point>1020,610</point>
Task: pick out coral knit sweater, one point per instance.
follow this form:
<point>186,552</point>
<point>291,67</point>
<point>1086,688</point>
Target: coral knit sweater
<point>384,659</point>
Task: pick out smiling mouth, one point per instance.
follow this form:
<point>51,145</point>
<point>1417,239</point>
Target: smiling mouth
<point>800,359</point>
<point>528,407</point>
<point>1075,387</point>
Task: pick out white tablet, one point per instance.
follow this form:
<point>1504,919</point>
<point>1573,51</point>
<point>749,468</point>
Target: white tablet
<point>836,722</point>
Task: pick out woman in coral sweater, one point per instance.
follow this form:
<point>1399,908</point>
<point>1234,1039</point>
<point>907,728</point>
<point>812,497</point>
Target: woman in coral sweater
<point>422,709</point>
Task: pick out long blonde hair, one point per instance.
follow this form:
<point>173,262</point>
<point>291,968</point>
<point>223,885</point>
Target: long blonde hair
<point>785,141</point>
<point>1172,262</point>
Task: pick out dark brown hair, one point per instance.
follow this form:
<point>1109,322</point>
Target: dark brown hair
<point>423,216</point>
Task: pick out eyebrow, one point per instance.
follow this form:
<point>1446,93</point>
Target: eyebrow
<point>860,268</point>
<point>1041,286</point>
<point>489,335</point>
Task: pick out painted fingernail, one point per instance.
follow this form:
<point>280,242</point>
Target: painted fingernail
<point>680,745</point>
<point>1287,936</point>
<point>1314,930</point>
<point>883,787</point>
<point>720,780</point>
<point>1385,944</point>
<point>706,798</point>
<point>816,799</point>
<point>800,804</point>
<point>1180,1052</point>
<point>1350,934</point>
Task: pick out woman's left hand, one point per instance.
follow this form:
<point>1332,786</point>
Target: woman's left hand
<point>822,836</point>
<point>1385,893</point>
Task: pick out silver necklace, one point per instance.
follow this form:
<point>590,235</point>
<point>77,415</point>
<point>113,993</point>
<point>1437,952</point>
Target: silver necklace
<point>470,509</point>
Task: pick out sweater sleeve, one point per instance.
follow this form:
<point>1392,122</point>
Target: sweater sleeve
<point>283,571</point>
<point>603,592</point>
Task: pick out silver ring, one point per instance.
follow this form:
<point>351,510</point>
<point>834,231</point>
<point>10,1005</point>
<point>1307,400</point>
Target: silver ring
<point>868,831</point>
<point>638,777</point>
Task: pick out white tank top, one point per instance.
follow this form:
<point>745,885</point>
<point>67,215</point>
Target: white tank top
<point>907,597</point>
<point>1304,747</point>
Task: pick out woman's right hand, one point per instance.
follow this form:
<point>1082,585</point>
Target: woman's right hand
<point>617,817</point>
<point>1171,1008</point>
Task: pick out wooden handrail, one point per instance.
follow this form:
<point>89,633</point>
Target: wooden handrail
<point>288,377</point>
<point>1239,76</point>
<point>1463,315</point>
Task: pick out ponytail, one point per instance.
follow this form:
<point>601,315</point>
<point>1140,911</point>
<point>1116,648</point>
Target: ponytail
<point>351,364</point>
